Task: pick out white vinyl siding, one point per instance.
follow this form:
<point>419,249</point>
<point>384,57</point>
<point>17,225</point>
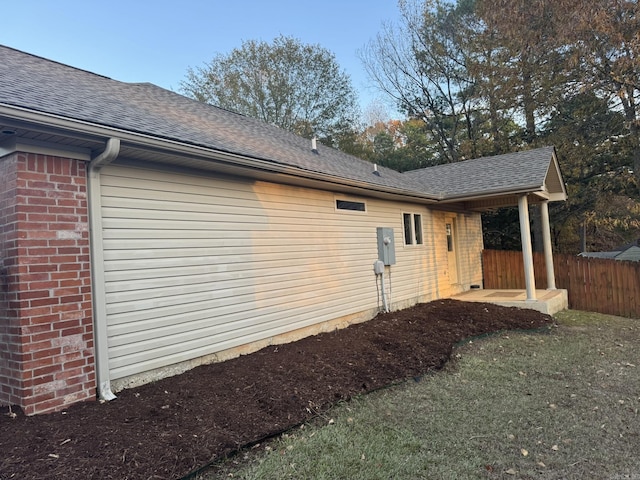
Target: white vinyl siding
<point>195,265</point>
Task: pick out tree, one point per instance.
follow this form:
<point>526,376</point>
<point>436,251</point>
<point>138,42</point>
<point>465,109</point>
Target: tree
<point>493,76</point>
<point>400,145</point>
<point>486,58</point>
<point>421,66</point>
<point>285,83</point>
<point>530,73</point>
<point>594,152</point>
<point>608,53</point>
<point>532,76</point>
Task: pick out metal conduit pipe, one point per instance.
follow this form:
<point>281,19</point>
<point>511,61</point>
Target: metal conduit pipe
<point>378,269</point>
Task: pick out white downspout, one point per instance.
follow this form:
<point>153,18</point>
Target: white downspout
<point>107,156</point>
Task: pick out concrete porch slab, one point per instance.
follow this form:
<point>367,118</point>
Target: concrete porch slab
<point>547,301</point>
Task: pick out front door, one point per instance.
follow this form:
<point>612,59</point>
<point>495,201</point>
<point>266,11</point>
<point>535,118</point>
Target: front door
<point>452,254</point>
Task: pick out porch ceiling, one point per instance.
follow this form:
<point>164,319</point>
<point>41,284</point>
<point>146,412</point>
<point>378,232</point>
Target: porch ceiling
<point>491,203</point>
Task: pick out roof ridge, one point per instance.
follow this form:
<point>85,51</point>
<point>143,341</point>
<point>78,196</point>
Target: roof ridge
<point>484,157</point>
<point>28,54</point>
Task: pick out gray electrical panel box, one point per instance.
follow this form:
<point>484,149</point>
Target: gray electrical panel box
<point>386,245</point>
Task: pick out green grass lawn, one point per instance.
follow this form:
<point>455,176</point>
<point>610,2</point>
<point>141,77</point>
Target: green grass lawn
<point>559,405</point>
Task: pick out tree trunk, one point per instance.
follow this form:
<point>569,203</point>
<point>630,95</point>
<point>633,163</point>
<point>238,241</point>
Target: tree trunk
<point>583,235</point>
<point>635,138</point>
<point>528,103</point>
<point>631,115</point>
<point>536,228</point>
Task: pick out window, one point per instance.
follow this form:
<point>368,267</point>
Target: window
<point>408,235</point>
<point>417,230</point>
<point>449,238</point>
<point>412,228</point>
<point>350,205</point>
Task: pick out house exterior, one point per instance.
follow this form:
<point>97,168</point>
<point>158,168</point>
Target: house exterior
<point>629,253</point>
<point>143,233</point>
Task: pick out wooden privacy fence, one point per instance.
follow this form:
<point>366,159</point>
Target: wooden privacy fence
<point>593,284</point>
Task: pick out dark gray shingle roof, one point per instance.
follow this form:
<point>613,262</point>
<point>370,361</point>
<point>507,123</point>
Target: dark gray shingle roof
<point>45,86</point>
<point>512,171</point>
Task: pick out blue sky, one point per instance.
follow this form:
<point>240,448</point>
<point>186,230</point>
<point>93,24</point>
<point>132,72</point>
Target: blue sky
<point>156,41</point>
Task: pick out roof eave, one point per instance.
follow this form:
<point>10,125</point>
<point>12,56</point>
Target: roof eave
<point>141,139</point>
<point>499,192</point>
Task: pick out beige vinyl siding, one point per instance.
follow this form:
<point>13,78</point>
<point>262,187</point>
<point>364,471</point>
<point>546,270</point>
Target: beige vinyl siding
<point>198,264</point>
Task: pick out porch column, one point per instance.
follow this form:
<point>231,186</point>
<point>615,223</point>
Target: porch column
<point>527,251</point>
<point>546,240</point>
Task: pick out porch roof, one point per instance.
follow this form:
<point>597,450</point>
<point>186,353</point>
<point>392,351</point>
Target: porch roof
<point>496,181</point>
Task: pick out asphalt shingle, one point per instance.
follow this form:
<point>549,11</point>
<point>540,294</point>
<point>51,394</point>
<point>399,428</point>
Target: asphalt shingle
<point>41,85</point>
<point>512,171</point>
<point>45,86</point>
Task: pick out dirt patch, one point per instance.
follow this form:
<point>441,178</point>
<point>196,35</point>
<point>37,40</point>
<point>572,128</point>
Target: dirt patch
<point>171,427</point>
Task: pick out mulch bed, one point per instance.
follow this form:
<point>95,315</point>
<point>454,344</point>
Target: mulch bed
<point>171,427</point>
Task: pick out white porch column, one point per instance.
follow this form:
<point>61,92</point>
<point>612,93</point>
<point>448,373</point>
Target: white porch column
<point>546,240</point>
<point>527,251</point>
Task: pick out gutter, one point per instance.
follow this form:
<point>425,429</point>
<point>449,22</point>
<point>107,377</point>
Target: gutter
<point>100,336</point>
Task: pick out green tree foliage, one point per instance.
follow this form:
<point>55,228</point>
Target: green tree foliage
<point>593,145</point>
<point>501,229</point>
<point>529,75</point>
<point>286,83</point>
<point>486,58</point>
<point>401,145</point>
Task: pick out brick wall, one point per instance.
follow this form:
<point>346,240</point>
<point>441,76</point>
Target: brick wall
<point>9,330</point>
<point>46,332</point>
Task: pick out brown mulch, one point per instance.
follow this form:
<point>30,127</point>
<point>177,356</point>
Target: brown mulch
<point>171,427</point>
